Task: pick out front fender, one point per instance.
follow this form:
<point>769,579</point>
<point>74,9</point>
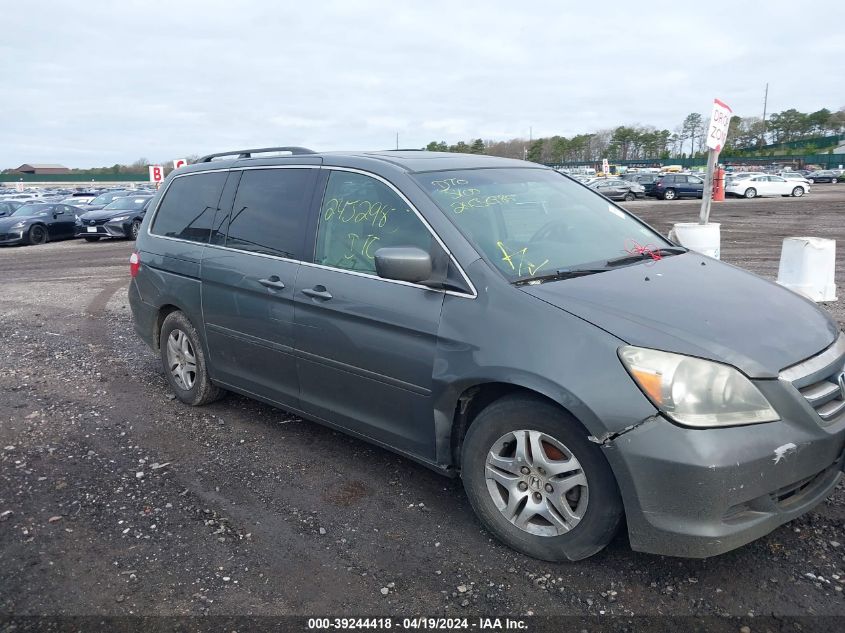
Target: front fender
<point>508,336</point>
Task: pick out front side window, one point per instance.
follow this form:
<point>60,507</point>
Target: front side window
<point>188,207</point>
<point>270,211</point>
<point>360,215</point>
<point>530,222</point>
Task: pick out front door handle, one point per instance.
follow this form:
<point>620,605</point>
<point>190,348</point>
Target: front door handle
<point>273,282</point>
<point>317,292</point>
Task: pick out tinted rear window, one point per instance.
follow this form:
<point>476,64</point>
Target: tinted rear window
<point>189,205</point>
<point>270,211</point>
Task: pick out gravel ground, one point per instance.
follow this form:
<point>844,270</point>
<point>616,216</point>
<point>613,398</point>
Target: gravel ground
<point>116,499</point>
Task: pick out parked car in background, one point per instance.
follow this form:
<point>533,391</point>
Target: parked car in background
<point>106,198</point>
<point>795,176</point>
<point>618,189</point>
<point>7,207</point>
<point>673,186</point>
<point>647,180</point>
<point>762,185</point>
<point>121,218</point>
<point>825,175</point>
<point>37,223</point>
<point>78,199</point>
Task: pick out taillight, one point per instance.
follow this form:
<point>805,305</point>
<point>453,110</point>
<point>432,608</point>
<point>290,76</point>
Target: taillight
<point>134,263</point>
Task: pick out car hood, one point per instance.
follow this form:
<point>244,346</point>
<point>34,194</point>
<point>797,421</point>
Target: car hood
<point>104,214</point>
<point>8,221</point>
<point>694,305</point>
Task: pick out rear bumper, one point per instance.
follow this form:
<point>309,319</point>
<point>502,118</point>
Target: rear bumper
<point>699,493</point>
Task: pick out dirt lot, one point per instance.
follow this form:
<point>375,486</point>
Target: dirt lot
<point>116,499</point>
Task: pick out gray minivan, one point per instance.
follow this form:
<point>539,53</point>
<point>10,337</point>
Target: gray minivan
<point>494,319</point>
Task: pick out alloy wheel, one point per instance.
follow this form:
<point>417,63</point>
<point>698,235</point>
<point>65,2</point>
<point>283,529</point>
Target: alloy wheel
<point>536,483</point>
<point>181,359</point>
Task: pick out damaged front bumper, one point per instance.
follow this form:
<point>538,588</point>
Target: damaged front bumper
<point>703,492</point>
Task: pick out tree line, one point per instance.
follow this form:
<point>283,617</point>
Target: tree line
<point>632,142</point>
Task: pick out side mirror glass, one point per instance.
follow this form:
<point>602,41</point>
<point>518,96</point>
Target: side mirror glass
<point>403,263</point>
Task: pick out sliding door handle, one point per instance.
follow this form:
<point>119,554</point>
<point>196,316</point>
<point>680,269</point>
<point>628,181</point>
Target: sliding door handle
<point>273,282</point>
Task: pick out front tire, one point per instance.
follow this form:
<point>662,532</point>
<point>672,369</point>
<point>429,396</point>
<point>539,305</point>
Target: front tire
<point>798,192</point>
<point>751,192</point>
<point>184,361</point>
<point>36,235</point>
<point>630,197</point>
<point>537,483</point>
<point>669,194</point>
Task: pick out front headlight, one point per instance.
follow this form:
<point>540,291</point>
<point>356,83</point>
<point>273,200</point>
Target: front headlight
<point>19,225</point>
<point>120,218</point>
<point>696,392</point>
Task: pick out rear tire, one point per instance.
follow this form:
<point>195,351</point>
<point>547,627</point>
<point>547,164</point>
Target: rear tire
<point>669,194</point>
<point>134,230</point>
<point>92,239</point>
<point>798,192</point>
<point>184,363</point>
<point>629,197</point>
<point>491,458</point>
<point>751,192</point>
<point>36,235</point>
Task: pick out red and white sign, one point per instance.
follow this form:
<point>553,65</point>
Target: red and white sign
<point>179,162</point>
<point>156,173</point>
<point>605,166</point>
<point>18,186</point>
<point>720,118</point>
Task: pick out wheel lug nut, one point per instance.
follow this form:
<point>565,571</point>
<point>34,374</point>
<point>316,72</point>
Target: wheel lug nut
<point>549,488</point>
<point>522,486</point>
<point>538,497</point>
<point>541,471</point>
<point>524,470</point>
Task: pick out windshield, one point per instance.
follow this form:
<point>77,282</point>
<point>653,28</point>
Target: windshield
<point>31,209</point>
<point>530,222</point>
<point>126,203</point>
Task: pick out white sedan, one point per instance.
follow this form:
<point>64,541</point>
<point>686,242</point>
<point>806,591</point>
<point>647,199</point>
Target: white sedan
<point>763,185</point>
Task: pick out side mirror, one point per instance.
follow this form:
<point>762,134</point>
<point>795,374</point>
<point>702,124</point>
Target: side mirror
<point>403,263</point>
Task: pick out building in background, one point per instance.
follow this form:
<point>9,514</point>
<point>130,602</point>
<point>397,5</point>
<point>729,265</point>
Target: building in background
<point>32,168</point>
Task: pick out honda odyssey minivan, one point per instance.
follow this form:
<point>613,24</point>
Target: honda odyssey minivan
<point>498,321</point>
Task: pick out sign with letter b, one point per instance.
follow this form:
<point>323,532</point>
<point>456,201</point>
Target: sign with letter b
<point>156,173</point>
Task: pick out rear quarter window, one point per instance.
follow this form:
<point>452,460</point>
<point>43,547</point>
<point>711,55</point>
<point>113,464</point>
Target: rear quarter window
<point>188,208</point>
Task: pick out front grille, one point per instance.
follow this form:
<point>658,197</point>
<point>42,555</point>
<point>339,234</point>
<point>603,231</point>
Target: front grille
<point>821,381</point>
<point>795,492</point>
<point>827,397</point>
<point>94,222</point>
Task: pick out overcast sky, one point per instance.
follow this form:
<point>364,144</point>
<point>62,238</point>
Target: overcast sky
<point>96,83</point>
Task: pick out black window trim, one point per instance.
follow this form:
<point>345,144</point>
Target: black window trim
<point>473,292</point>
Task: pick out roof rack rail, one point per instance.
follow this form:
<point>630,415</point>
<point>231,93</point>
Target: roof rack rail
<point>247,153</point>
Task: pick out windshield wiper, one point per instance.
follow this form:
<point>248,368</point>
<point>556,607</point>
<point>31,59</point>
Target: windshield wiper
<point>561,273</point>
<point>646,254</point>
<point>599,267</point>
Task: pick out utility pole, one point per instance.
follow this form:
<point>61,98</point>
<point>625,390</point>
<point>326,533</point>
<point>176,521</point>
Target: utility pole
<point>765,103</point>
<point>397,140</point>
